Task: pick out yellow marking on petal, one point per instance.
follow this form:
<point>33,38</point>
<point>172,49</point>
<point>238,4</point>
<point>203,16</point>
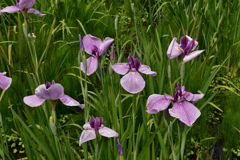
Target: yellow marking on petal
<point>183,92</point>
<point>89,130</point>
<point>180,102</point>
<point>178,48</point>
<point>133,72</point>
<point>92,57</point>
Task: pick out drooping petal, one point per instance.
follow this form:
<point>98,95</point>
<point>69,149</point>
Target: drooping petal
<point>192,97</point>
<point>87,135</point>
<point>133,82</point>
<point>33,101</point>
<point>9,9</point>
<point>5,81</point>
<point>191,55</point>
<point>185,112</point>
<point>92,64</point>
<point>156,103</point>
<point>31,10</point>
<point>107,132</point>
<point>68,101</point>
<point>173,49</point>
<point>104,46</point>
<point>26,4</point>
<point>121,68</point>
<point>89,42</point>
<point>146,70</point>
<point>54,92</point>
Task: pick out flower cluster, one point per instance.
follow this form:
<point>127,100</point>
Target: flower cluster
<point>21,5</point>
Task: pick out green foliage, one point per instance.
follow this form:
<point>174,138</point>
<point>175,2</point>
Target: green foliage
<point>230,121</point>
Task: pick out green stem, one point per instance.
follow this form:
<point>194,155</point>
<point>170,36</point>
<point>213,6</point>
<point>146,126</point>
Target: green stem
<point>53,104</point>
<point>133,116</point>
<point>96,148</point>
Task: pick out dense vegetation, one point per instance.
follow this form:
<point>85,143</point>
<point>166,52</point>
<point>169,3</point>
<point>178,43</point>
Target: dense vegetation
<point>143,29</point>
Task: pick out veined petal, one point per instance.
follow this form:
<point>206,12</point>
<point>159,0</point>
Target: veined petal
<point>87,135</point>
<point>31,10</point>
<point>33,101</point>
<point>92,64</point>
<point>9,9</point>
<point>54,92</point>
<point>156,103</point>
<point>5,81</point>
<point>89,42</point>
<point>104,46</point>
<point>146,70</point>
<point>133,82</point>
<point>192,55</point>
<point>121,68</point>
<point>173,49</point>
<point>186,112</point>
<point>192,97</point>
<point>107,132</point>
<point>168,97</point>
<point>68,101</point>
<point>26,4</point>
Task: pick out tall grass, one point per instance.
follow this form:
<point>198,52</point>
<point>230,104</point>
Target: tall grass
<point>54,55</point>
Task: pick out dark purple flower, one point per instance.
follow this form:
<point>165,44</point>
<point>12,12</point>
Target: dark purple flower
<point>95,47</point>
<point>187,44</point>
<point>112,53</point>
<point>120,150</point>
<point>22,5</point>
<point>93,127</point>
<point>50,91</point>
<point>133,81</point>
<point>4,81</point>
<point>81,43</point>
<point>186,112</point>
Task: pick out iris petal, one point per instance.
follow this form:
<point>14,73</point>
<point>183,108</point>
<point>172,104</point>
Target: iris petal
<point>173,49</point>
<point>192,55</point>
<point>33,101</point>
<point>9,9</point>
<point>107,132</point>
<point>146,70</point>
<point>31,10</point>
<point>120,68</point>
<point>156,103</point>
<point>133,82</point>
<point>5,82</point>
<point>92,64</point>
<point>185,112</point>
<point>68,101</point>
<point>87,135</point>
<point>55,92</point>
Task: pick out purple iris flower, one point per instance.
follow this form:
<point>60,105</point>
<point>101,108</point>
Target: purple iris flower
<point>50,91</point>
<point>22,5</point>
<point>4,81</point>
<point>95,47</point>
<point>93,127</point>
<point>120,150</point>
<point>133,81</point>
<point>112,53</point>
<point>186,112</point>
<point>186,45</point>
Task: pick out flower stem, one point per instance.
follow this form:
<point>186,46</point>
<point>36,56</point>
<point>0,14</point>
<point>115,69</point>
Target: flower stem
<point>96,148</point>
<point>133,116</point>
<point>53,104</point>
